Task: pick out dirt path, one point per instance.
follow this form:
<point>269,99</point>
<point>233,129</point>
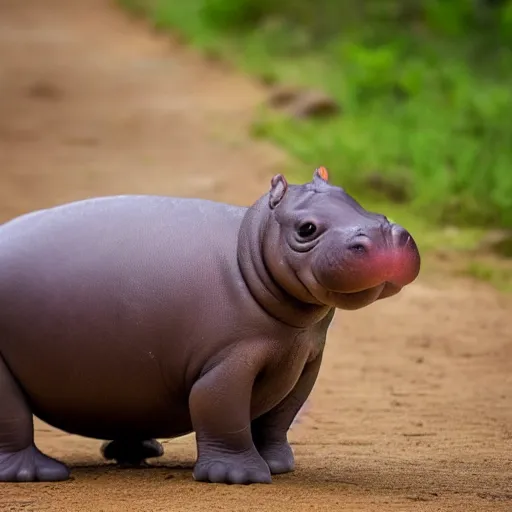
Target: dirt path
<point>413,408</point>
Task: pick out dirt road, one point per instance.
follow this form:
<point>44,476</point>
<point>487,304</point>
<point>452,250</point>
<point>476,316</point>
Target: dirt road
<point>413,407</point>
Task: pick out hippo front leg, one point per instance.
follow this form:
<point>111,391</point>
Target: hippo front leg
<point>220,403</point>
<point>270,430</point>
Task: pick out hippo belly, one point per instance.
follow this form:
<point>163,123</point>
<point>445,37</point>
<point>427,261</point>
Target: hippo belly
<point>110,399</point>
<point>87,373</point>
<point>97,310</point>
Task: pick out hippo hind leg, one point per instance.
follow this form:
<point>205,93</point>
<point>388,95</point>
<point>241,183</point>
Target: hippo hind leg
<point>131,453</point>
<point>20,459</point>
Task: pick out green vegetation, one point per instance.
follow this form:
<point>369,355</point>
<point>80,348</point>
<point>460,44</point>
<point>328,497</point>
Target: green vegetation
<point>498,275</point>
<point>424,87</point>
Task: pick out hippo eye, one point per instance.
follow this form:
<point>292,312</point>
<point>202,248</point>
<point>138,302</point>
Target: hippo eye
<point>307,229</point>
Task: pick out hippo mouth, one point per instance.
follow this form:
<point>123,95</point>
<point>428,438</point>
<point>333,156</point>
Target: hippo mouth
<point>361,298</point>
<point>349,300</point>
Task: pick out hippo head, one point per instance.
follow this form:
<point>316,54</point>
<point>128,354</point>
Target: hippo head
<point>322,247</point>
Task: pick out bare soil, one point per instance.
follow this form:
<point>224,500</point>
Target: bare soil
<point>413,407</point>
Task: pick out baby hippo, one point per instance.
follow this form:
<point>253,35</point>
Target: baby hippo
<point>131,318</point>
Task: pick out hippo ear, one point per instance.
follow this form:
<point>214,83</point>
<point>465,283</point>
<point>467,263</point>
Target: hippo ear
<point>278,188</point>
<point>321,174</point>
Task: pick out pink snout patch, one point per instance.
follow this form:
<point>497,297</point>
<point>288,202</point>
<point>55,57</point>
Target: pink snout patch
<point>399,267</point>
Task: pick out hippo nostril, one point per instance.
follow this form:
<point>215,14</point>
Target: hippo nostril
<point>357,248</point>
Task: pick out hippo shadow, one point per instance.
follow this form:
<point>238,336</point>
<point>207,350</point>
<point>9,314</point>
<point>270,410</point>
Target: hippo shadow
<point>85,470</point>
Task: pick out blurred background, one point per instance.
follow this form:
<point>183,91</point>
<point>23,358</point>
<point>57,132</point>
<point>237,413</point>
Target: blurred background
<point>408,102</point>
<point>423,89</point>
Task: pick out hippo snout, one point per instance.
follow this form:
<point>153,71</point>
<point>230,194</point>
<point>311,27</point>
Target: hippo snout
<point>385,235</point>
<point>380,255</point>
<point>400,260</point>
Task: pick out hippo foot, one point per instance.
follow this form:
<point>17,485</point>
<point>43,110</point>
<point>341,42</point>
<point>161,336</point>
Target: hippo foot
<point>132,453</point>
<point>30,465</point>
<point>278,456</point>
<point>232,468</point>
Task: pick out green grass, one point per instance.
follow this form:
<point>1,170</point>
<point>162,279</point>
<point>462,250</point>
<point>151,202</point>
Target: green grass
<point>426,106</point>
<point>495,274</point>
<point>415,109</point>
